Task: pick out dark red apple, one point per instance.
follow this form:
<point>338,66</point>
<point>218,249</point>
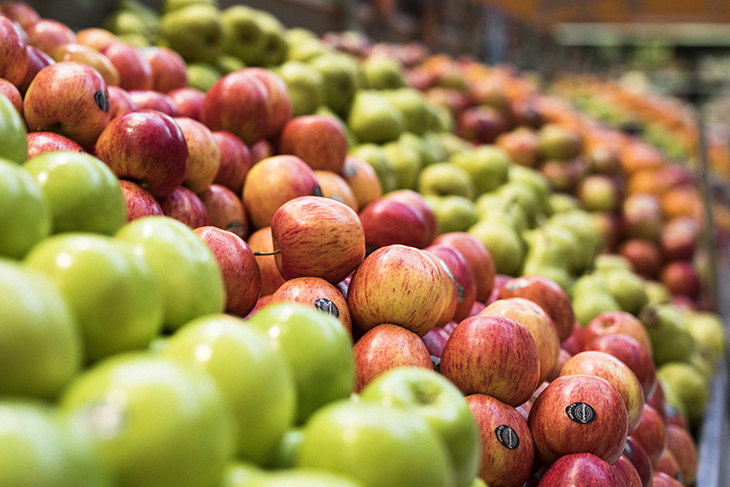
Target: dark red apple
<point>644,255</point>
<point>480,124</point>
<point>42,142</point>
<point>435,341</point>
<point>478,258</point>
<point>225,210</point>
<point>261,150</point>
<point>154,100</point>
<point>651,433</point>
<point>660,479</point>
<point>387,222</point>
<point>584,469</point>
<point>640,459</point>
<point>418,201</point>
<point>189,100</point>
<point>37,60</point>
<point>684,448</point>
<point>120,101</point>
<point>627,472</point>
<point>235,161</point>
<point>279,108</point>
<point>185,206</point>
<point>140,202</point>
<point>169,70</point>
<point>135,72</point>
<point>681,278</point>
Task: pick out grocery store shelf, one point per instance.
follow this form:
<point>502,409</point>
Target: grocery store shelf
<point>609,34</point>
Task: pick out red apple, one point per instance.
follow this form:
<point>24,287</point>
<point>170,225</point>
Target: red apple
<point>318,140</point>
<point>84,54</point>
<point>644,255</point>
<point>362,179</point>
<point>237,103</point>
<point>147,147</point>
<point>135,72</point>
<point>11,92</point>
<point>610,226</point>
<point>478,258</point>
<point>507,451</point>
<point>140,202</point>
<point>95,37</point>
<point>547,294</point>
<point>480,124</point>
<point>400,285</point>
<point>334,186</point>
<point>521,145</point>
<point>225,210</point>
<point>47,34</point>
<point>563,356</point>
<point>154,100</point>
<point>387,222</point>
<point>613,322</point>
<point>492,355</point>
<point>584,469</point>
<point>69,98</point>
<point>627,472</point>
<point>684,448</point>
<point>463,277</point>
<point>678,238</point>
<point>120,101</point>
<point>578,414</point>
<point>418,201</point>
<point>681,278</point>
<point>667,464</point>
<point>279,108</point>
<point>435,341</point>
<point>641,216</point>
<point>564,176</point>
<point>204,156</point>
<point>261,242</point>
<point>272,182</point>
<point>449,287</point>
<point>315,292</point>
<point>235,161</point>
<point>632,353</point>
<point>21,12</point>
<point>261,150</point>
<point>185,206</point>
<point>37,60</point>
<point>42,142</point>
<point>640,459</point>
<point>169,70</point>
<point>541,327</point>
<point>240,271</point>
<point>606,366</point>
<point>575,342</point>
<point>651,433</point>
<point>188,100</point>
<point>385,347</point>
<point>660,479</point>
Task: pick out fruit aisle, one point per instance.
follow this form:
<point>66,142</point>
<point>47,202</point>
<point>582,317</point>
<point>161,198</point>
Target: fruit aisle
<point>236,252</point>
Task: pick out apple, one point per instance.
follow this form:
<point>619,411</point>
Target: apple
<point>314,292</point>
<point>660,479</point>
<point>507,453</point>
<point>318,350</point>
<point>83,194</point>
<point>107,286</point>
<point>578,414</point>
<point>336,187</point>
<point>262,244</point>
<point>563,356</point>
<point>463,278</point>
<point>41,348</point>
<point>235,161</point>
<point>641,216</point>
<point>189,100</point>
<point>120,101</point>
<point>243,362</point>
<point>42,142</point>
<point>317,139</point>
<point>399,285</point>
<point>158,402</point>
<point>261,150</point>
<point>47,34</point>
<point>279,109</point>
<point>191,279</point>
<point>95,37</point>
<point>492,355</point>
<point>419,202</point>
<point>139,202</point>
<point>62,85</point>
<point>435,341</point>
<point>241,275</point>
<point>154,100</point>
<point>434,398</point>
<point>168,69</point>
<point>651,433</point>
<point>10,91</point>
<point>681,278</point>
<point>639,459</point>
<point>272,182</point>
<point>581,469</point>
<point>684,448</point>
<point>478,258</point>
<point>393,447</point>
<point>237,103</point>
<point>521,145</point>
<point>37,60</point>
<point>301,477</point>
<point>678,238</point>
<point>599,192</point>
<point>135,71</point>
<point>317,237</point>
<point>21,12</point>
<point>147,147</point>
<point>203,154</point>
<point>632,353</point>
<point>667,464</point>
<point>481,124</point>
<point>225,210</point>
<point>362,179</point>
<point>613,322</point>
<point>185,206</point>
<point>387,221</point>
<point>86,55</point>
<point>644,255</point>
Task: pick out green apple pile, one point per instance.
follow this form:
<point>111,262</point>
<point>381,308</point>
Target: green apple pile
<point>236,254</point>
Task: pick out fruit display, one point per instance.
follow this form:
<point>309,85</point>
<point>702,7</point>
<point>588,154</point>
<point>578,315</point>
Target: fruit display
<point>236,254</point>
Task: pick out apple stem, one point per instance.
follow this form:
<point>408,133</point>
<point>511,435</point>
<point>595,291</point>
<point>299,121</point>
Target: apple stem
<point>257,253</point>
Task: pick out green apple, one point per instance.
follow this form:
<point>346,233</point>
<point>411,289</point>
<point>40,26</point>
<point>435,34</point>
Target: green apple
<point>339,71</point>
<point>431,148</point>
<point>487,164</point>
<point>194,31</point>
<point>127,23</point>
<point>688,383</point>
<point>25,215</point>
<point>434,398</point>
<point>191,279</point>
<point>241,474</point>
<point>374,155</point>
<point>13,143</point>
<point>83,193</point>
<point>708,331</point>
<point>412,103</point>
<point>406,162</point>
<point>544,250</point>
<point>40,342</point>
<point>657,292</point>
<point>305,49</point>
<point>377,445</point>
<point>112,291</point>
<point>254,36</point>
<point>202,75</point>
<point>39,449</point>
<point>627,288</point>
<point>504,243</point>
<point>446,179</point>
<point>152,420</point>
<point>170,5</point>
<point>318,350</point>
<point>135,39</point>
<point>590,296</point>
<point>607,262</point>
<point>305,84</point>
<point>296,35</point>
<point>492,203</point>
<point>373,118</point>
<point>524,195</point>
<point>288,449</point>
<point>453,213</point>
<point>534,179</point>
<point>561,203</point>
<point>252,374</point>
<point>668,331</point>
<point>589,233</point>
<point>382,73</point>
<point>227,64</point>
<point>451,143</point>
<point>301,477</point>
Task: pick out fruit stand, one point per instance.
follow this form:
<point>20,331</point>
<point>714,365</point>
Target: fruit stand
<point>350,244</point>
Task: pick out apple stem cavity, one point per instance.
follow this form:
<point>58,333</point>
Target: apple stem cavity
<point>257,253</point>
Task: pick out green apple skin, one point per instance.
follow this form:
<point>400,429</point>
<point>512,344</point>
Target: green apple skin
<point>305,84</point>
<point>708,331</point>
<point>40,342</point>
<point>318,350</point>
<point>83,193</point>
<point>39,450</point>
<point>374,155</point>
<point>202,75</point>
<point>442,405</point>
<point>627,288</point>
<point>492,203</point>
<point>446,179</point>
<point>453,213</point>
<point>227,64</point>
<point>379,446</point>
<point>254,36</point>
<point>153,421</point>
<point>412,103</point>
<point>670,337</point>
<point>25,215</point>
<point>252,374</point>
<point>306,49</point>
<point>503,242</point>
<point>339,71</point>
<point>590,296</point>
<point>406,162</point>
<point>241,474</point>
<point>287,450</point>
<point>382,73</point>
<point>690,385</point>
<point>170,5</point>
<point>191,279</point>
<point>374,119</point>
<point>487,164</point>
<point>112,291</point>
<point>194,31</point>
<point>302,478</point>
<point>13,142</point>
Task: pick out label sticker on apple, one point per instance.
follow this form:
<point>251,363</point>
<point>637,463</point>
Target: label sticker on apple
<point>102,100</point>
<point>507,436</point>
<point>581,413</point>
<point>327,306</point>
